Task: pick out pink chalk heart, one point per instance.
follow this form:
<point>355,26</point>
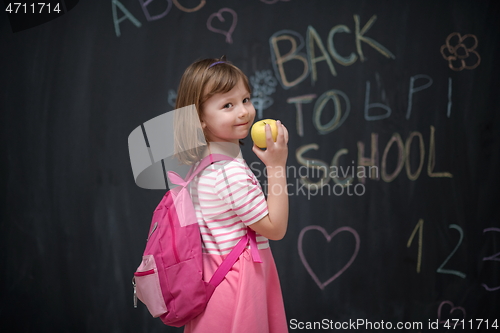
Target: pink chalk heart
<point>219,16</point>
<point>320,284</point>
<point>451,308</point>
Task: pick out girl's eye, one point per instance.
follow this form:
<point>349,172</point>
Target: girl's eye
<point>246,100</point>
<point>227,106</point>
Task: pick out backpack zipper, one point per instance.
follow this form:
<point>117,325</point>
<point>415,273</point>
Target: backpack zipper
<point>152,230</point>
<point>135,292</point>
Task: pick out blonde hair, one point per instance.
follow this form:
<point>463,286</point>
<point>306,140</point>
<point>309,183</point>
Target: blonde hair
<point>199,82</point>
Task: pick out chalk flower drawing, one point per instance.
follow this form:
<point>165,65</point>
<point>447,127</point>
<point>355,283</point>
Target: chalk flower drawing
<point>172,96</point>
<point>460,51</point>
<point>263,85</point>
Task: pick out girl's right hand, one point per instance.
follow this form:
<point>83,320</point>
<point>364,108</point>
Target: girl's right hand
<point>276,153</point>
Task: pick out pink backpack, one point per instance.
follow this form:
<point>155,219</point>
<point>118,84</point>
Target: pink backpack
<point>169,280</point>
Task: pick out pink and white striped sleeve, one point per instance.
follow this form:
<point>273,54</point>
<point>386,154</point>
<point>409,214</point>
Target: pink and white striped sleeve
<point>241,191</point>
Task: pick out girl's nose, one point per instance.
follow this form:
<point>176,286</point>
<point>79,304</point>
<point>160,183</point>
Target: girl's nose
<point>243,111</point>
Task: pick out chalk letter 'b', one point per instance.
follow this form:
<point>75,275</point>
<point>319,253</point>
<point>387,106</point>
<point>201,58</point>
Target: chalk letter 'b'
<point>150,18</point>
<point>279,59</point>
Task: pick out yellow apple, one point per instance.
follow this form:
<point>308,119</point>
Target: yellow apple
<point>258,132</point>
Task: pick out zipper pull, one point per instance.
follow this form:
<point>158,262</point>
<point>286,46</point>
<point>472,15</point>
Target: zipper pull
<point>135,292</point>
<point>152,230</point>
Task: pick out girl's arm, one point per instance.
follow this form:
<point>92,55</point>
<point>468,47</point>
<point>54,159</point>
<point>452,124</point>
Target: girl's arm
<point>273,226</point>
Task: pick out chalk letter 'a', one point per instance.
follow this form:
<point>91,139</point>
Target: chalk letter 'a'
<point>313,38</point>
<point>360,37</point>
<point>117,21</point>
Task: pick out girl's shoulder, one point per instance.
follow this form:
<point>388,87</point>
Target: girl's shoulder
<point>230,166</point>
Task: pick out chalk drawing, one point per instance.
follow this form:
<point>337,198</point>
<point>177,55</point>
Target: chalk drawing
<point>409,140</point>
<point>414,89</point>
<point>390,177</point>
<point>144,6</point>
<point>344,181</point>
<point>298,101</point>
<point>172,96</point>
<point>228,33</point>
<point>432,158</point>
<point>452,309</point>
<point>448,111</point>
<point>189,10</point>
<point>127,16</point>
<point>328,237</point>
<point>369,106</point>
<point>270,2</point>
<point>452,271</point>
<point>420,228</point>
<point>460,51</point>
<point>403,156</point>
<point>371,162</point>
<point>338,119</point>
<point>495,257</point>
<point>279,59</point>
<point>359,33</point>
<point>263,85</point>
<point>312,39</point>
<point>344,61</point>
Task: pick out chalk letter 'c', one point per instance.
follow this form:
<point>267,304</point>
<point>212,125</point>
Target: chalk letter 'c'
<point>340,59</point>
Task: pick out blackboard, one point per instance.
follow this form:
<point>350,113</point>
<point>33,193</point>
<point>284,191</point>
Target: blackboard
<point>398,98</point>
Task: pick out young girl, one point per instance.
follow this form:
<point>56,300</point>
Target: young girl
<point>229,200</point>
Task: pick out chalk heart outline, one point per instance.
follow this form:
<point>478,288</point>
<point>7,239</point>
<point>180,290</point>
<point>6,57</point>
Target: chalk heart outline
<point>452,309</point>
<point>219,16</point>
<point>328,237</point>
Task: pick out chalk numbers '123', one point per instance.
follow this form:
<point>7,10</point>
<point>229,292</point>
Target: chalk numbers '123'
<point>418,230</point>
<point>495,257</point>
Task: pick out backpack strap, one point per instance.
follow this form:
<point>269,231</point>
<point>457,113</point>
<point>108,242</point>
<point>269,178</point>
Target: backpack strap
<point>206,161</point>
<point>233,256</point>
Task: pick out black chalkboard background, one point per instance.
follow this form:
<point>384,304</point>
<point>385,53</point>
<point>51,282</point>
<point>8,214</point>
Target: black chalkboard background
<point>420,243</point>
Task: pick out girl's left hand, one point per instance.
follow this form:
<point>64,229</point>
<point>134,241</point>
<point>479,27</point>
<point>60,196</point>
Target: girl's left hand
<point>276,153</point>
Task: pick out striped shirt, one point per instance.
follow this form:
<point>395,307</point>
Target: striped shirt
<point>227,198</point>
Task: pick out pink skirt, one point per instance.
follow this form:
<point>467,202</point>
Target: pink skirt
<point>248,300</point>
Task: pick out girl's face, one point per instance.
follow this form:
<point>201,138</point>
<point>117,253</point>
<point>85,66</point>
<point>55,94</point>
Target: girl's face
<point>227,117</point>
